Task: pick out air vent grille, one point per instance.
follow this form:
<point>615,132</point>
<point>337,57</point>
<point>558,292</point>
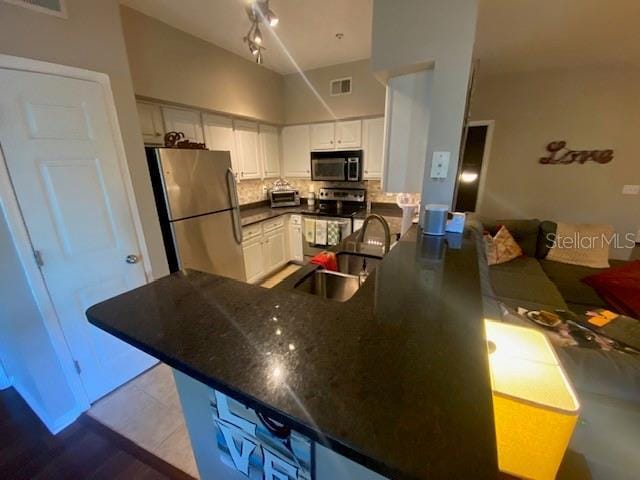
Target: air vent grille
<point>52,7</point>
<point>340,86</point>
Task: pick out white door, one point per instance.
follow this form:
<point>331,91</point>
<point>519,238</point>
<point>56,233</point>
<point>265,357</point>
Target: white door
<point>348,135</point>
<point>270,144</point>
<point>296,151</point>
<point>151,125</point>
<point>323,136</point>
<point>246,134</point>
<point>60,152</point>
<point>185,121</point>
<point>373,142</point>
<point>254,263</point>
<point>218,135</point>
<point>275,249</point>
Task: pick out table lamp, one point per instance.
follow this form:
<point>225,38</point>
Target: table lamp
<point>535,407</point>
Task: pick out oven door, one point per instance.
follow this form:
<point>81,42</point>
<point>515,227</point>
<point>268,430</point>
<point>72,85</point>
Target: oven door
<point>285,198</point>
<point>329,169</point>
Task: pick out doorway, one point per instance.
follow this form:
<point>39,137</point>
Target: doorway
<point>473,169</point>
<point>64,180</point>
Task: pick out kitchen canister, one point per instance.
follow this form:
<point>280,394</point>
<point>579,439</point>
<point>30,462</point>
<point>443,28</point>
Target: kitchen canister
<point>435,219</point>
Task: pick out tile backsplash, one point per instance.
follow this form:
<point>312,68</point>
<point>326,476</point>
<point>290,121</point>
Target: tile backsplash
<point>250,191</point>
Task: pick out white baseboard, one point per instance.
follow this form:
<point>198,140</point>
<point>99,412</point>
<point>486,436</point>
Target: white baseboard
<point>54,425</point>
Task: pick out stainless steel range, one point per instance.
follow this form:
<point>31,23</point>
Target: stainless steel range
<point>332,220</point>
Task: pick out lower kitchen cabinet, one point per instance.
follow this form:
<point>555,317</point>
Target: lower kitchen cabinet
<point>253,259</point>
<point>275,249</point>
<point>264,248</point>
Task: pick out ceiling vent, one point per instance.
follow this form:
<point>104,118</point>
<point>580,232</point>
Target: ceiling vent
<point>340,86</point>
<point>52,7</point>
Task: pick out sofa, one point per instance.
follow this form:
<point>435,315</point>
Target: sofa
<point>607,382</point>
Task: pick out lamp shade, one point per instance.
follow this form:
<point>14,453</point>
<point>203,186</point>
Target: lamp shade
<point>535,407</point>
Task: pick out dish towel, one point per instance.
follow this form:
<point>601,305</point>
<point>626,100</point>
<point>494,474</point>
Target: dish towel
<point>333,232</point>
<point>310,230</point>
<point>321,232</point>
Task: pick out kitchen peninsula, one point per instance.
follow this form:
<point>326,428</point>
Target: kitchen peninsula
<point>392,383</point>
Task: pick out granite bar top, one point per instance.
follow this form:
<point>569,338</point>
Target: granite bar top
<point>261,211</point>
<point>396,378</point>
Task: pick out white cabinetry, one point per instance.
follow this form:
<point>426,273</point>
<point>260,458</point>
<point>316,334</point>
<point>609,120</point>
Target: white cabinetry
<point>185,121</point>
<point>323,136</point>
<point>246,134</point>
<point>349,134</point>
<point>296,151</point>
<point>295,239</point>
<point>218,135</point>
<point>264,248</point>
<point>373,144</point>
<point>151,124</point>
<point>270,149</point>
<point>336,135</point>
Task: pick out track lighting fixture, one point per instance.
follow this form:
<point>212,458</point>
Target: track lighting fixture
<point>259,13</point>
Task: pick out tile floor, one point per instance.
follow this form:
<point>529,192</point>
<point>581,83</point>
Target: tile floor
<point>147,409</point>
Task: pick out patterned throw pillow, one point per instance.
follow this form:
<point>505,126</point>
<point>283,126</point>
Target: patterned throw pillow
<point>501,248</point>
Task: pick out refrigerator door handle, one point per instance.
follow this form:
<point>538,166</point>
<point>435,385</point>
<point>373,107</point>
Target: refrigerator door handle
<point>235,209</point>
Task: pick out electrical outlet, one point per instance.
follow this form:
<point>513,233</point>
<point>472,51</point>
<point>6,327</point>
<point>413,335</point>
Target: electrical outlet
<point>631,190</point>
<point>440,164</point>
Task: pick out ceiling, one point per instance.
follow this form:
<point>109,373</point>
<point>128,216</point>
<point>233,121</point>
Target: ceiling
<point>307,29</point>
<point>512,36</point>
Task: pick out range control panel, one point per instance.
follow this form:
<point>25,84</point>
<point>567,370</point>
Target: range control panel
<point>343,194</point>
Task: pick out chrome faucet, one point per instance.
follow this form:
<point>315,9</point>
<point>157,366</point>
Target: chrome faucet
<point>385,225</point>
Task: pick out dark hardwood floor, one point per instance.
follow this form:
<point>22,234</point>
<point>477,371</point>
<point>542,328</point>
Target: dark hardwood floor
<point>84,450</point>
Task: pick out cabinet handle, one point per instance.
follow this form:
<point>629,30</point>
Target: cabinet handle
<point>158,134</point>
<point>331,142</point>
<point>339,141</point>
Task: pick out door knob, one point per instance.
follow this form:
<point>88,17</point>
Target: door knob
<point>132,259</point>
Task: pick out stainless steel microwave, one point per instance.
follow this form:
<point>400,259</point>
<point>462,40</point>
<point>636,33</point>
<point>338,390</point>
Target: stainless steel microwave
<point>339,166</point>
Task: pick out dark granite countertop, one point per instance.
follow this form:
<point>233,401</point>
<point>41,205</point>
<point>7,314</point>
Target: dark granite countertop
<point>396,378</point>
<point>261,211</point>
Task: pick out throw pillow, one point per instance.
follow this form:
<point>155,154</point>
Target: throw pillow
<point>502,247</point>
<point>581,244</point>
<point>619,287</point>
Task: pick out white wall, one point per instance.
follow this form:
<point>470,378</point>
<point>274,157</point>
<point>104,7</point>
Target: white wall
<point>436,34</point>
<point>26,349</point>
<point>590,108</point>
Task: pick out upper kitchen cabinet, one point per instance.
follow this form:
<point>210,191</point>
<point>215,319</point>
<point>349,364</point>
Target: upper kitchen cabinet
<point>218,135</point>
<point>185,121</point>
<point>336,135</point>
<point>247,144</point>
<point>348,135</point>
<point>323,136</point>
<point>151,125</point>
<point>373,145</point>
<point>270,146</point>
<point>296,151</point>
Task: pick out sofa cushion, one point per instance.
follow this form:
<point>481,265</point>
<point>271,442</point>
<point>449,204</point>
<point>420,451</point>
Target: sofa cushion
<point>568,279</point>
<point>546,234</point>
<point>523,283</point>
<point>502,247</point>
<point>525,232</point>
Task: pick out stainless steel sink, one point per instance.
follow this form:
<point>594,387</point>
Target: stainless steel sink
<point>343,284</point>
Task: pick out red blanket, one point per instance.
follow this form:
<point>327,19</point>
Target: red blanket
<point>619,287</point>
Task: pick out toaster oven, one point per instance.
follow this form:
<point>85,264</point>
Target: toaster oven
<point>284,198</point>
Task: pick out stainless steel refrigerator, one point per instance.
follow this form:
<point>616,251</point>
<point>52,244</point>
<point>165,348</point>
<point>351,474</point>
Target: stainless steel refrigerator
<point>197,201</point>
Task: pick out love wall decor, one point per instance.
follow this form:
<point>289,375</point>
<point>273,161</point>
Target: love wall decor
<point>560,155</point>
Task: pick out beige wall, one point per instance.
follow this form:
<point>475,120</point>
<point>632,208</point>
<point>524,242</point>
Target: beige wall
<point>301,105</point>
<point>590,108</point>
<point>91,38</point>
<point>171,65</point>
